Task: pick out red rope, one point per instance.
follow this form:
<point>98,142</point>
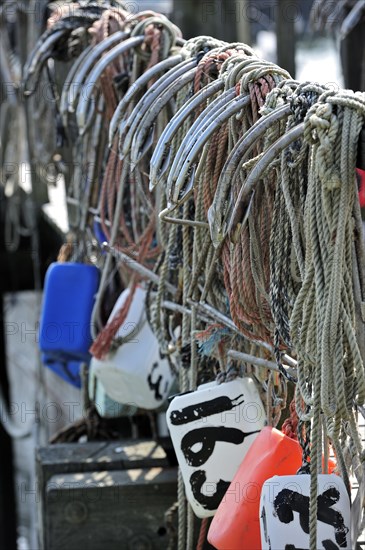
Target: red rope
<point>202,534</point>
<point>290,425</point>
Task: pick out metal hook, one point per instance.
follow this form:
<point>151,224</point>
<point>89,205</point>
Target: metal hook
<point>37,59</point>
<point>352,19</point>
<point>245,194</point>
<point>161,156</point>
<point>144,135</point>
<point>94,75</point>
<point>127,131</point>
<point>69,82</point>
<point>217,211</point>
<point>142,138</point>
<point>96,52</point>
<point>225,96</point>
<point>219,118</point>
<point>136,88</point>
<point>189,188</point>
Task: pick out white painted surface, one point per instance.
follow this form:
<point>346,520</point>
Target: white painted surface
<point>211,430</point>
<point>284,513</point>
<point>135,373</point>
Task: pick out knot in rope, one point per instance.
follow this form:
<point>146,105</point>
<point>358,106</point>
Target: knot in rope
<point>198,44</point>
<point>302,98</point>
<point>321,129</point>
<point>277,97</point>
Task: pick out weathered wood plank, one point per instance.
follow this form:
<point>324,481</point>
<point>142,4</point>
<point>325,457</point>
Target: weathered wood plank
<point>80,458</point>
<point>84,457</point>
<point>115,510</point>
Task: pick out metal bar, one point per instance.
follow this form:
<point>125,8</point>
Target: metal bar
<point>137,267</point>
<point>258,361</point>
<point>205,308</point>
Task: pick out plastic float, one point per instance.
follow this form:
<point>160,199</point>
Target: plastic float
<point>135,373</point>
<point>284,513</point>
<point>69,295</point>
<point>212,429</point>
<point>236,525</point>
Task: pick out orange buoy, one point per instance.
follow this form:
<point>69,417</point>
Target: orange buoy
<point>236,524</point>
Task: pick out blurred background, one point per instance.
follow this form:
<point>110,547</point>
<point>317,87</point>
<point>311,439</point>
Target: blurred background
<point>321,41</point>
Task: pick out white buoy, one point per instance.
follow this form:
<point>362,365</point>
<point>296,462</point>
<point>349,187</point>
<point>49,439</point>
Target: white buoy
<point>135,374</point>
<point>211,430</point>
<point>284,513</point>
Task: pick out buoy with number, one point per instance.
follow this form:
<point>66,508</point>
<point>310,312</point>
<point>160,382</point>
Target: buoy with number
<point>284,513</point>
<point>135,373</point>
<point>211,430</point>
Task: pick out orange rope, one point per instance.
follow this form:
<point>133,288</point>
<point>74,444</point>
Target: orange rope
<point>290,425</point>
<point>202,534</point>
<point>247,305</point>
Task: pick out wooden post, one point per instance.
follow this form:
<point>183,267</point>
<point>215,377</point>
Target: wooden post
<point>217,18</point>
<point>286,13</point>
<point>352,57</point>
<point>243,22</point>
<point>227,18</point>
<point>192,16</point>
<point>7,485</point>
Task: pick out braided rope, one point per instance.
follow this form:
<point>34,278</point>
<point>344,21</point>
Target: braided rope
<point>322,322</point>
<point>283,270</point>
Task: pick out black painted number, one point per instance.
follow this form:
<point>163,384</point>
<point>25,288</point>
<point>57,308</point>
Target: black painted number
<point>287,502</point>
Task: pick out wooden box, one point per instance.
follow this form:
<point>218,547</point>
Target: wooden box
<point>114,510</point>
<point>104,495</point>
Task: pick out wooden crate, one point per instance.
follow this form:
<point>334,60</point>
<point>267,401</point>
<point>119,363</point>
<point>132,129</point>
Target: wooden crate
<point>114,510</point>
<point>103,495</point>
